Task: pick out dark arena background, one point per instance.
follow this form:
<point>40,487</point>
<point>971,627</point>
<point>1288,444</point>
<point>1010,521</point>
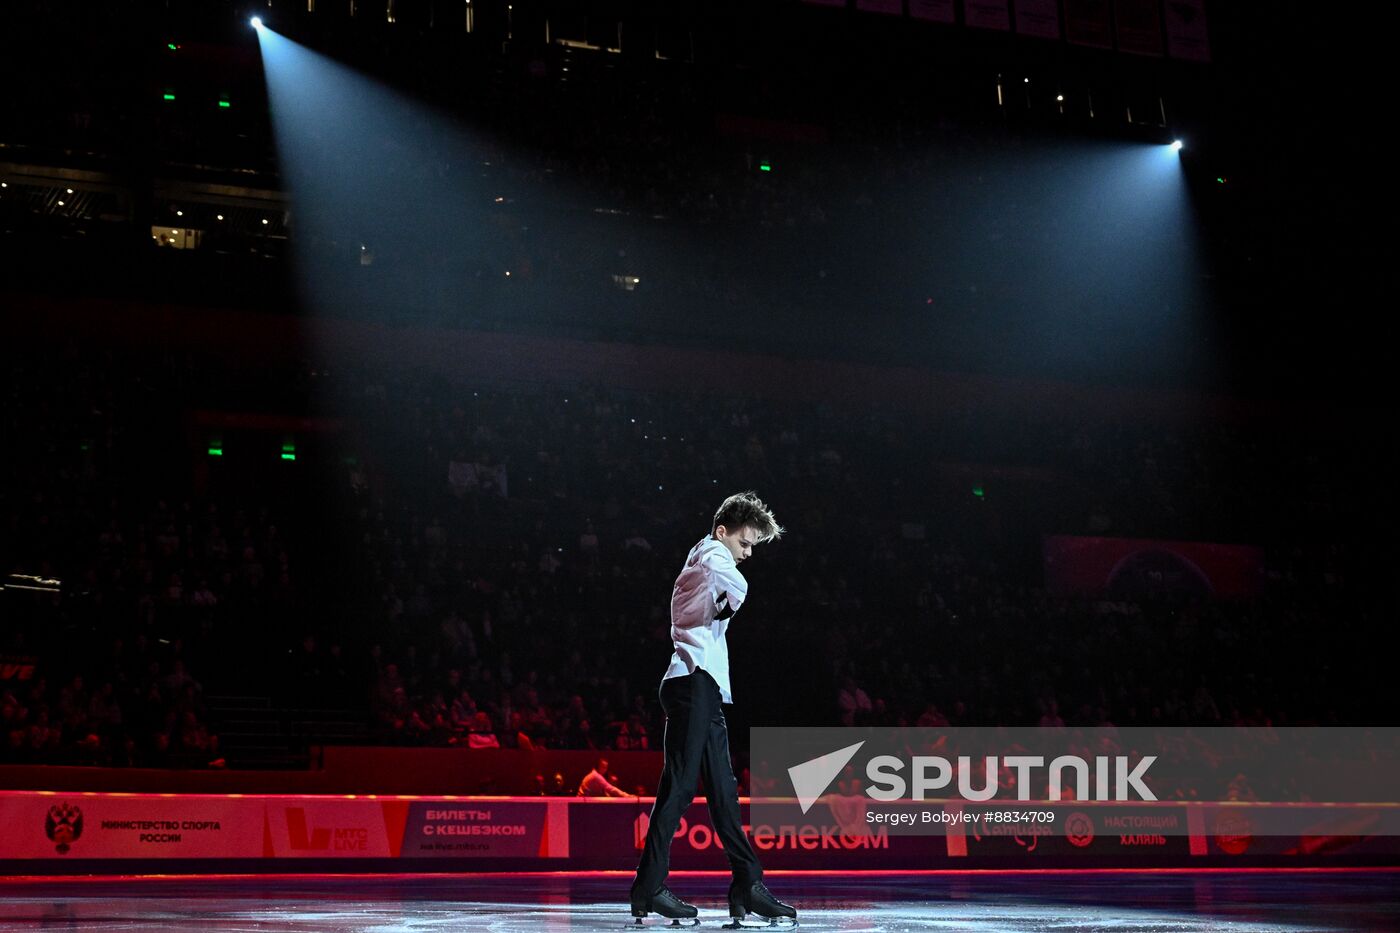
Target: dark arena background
<point>370,371</point>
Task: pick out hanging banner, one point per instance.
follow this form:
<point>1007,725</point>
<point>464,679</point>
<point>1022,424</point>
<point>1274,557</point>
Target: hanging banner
<point>1187,36</point>
<point>1139,26</point>
<point>1038,18</point>
<point>934,11</point>
<point>987,14</point>
<point>1089,22</point>
<point>17,667</point>
<point>1130,568</point>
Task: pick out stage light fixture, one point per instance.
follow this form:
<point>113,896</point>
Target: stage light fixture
<point>255,22</point>
<point>1177,145</point>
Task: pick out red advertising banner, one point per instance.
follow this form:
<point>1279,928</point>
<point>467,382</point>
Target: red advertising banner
<point>1038,18</point>
<point>334,827</point>
<point>1089,22</point>
<point>616,829</point>
<point>987,14</point>
<point>1187,35</point>
<point>559,833</point>
<point>934,11</point>
<point>1118,833</point>
<point>487,828</point>
<point>17,666</point>
<point>1139,26</point>
<point>121,826</point>
<point>1131,567</point>
<point>1233,830</point>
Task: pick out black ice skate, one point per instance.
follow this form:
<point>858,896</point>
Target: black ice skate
<point>665,904</point>
<point>758,900</point>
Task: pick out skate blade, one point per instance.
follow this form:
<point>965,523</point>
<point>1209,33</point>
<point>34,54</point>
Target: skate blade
<point>776,923</point>
<point>639,924</point>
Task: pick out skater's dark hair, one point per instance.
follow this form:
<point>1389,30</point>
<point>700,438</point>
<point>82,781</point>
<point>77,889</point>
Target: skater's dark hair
<point>746,508</point>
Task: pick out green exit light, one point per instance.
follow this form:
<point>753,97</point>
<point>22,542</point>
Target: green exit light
<point>171,46</point>
<point>1220,180</point>
<point>288,456</point>
<point>224,103</point>
<point>168,96</point>
<point>765,167</point>
<point>216,451</point>
<point>978,491</point>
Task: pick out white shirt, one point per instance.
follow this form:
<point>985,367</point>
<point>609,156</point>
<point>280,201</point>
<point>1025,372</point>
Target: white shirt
<point>708,592</point>
<point>596,785</point>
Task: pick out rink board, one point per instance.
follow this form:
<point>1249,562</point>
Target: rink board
<point>43,831</point>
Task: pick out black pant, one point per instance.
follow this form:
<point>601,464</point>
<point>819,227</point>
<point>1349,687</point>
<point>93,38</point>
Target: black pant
<point>697,747</point>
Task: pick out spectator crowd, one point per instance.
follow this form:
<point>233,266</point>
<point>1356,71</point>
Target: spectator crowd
<point>497,568</point>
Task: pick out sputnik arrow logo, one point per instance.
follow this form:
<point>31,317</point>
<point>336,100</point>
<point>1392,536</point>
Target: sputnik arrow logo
<point>811,778</point>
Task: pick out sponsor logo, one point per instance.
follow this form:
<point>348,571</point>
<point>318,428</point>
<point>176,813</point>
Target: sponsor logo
<point>1233,833</point>
<point>699,837</point>
<point>1027,837</point>
<point>1079,829</point>
<point>695,835</point>
<point>323,838</point>
<point>63,825</point>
